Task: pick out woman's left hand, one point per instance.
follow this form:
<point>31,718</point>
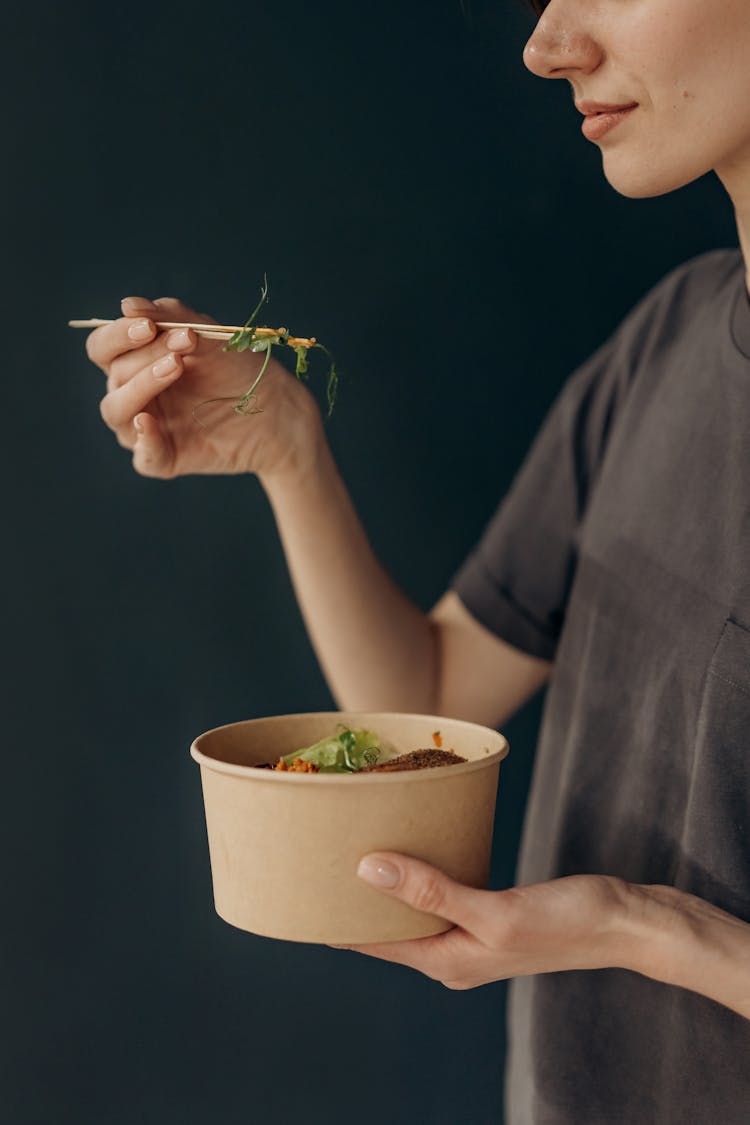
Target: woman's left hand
<point>577,922</point>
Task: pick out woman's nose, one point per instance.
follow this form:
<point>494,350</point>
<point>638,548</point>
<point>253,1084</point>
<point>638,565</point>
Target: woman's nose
<point>556,49</point>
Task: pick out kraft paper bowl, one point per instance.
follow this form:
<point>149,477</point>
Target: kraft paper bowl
<point>285,847</point>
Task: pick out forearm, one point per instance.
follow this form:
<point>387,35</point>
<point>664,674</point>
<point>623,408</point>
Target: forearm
<point>683,940</point>
<point>376,648</point>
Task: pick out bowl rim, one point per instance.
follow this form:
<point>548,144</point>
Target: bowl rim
<point>275,777</point>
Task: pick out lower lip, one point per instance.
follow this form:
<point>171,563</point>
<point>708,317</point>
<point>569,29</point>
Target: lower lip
<point>598,124</point>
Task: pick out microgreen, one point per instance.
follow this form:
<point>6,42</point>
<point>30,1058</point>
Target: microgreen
<point>253,338</point>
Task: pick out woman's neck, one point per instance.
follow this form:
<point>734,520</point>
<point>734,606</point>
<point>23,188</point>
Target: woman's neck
<point>736,181</point>
<point>743,230</point>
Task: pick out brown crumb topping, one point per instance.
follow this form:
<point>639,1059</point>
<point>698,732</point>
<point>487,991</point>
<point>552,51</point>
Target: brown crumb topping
<point>417,760</point>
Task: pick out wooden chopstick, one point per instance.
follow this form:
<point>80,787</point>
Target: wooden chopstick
<point>209,331</point>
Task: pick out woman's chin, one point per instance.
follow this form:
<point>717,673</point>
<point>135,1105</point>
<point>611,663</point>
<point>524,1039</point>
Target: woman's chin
<point>645,180</point>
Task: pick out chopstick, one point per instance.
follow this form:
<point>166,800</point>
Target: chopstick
<point>209,331</point>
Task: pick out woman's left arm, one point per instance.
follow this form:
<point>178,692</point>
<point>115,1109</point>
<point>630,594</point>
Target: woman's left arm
<point>577,922</point>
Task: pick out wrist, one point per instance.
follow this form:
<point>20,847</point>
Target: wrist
<point>652,926</point>
<point>305,455</point>
<point>679,939</point>
<point>306,490</point>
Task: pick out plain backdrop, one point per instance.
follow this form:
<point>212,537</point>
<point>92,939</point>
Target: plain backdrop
<point>430,210</point>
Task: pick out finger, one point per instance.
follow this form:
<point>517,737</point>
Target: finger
<point>455,958</point>
<point>426,888</point>
<point>153,455</point>
<point>137,327</point>
<point>124,367</point>
<point>163,308</point>
<point>104,344</point>
<point>417,953</point>
<point>121,405</point>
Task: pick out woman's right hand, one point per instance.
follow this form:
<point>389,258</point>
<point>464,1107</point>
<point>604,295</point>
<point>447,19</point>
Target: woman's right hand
<point>152,414</point>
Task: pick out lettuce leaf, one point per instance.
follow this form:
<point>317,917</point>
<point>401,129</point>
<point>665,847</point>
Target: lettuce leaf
<point>346,752</point>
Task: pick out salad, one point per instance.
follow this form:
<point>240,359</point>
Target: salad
<point>360,751</point>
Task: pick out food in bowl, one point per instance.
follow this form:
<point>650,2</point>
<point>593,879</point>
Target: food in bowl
<point>285,846</point>
<point>360,751</point>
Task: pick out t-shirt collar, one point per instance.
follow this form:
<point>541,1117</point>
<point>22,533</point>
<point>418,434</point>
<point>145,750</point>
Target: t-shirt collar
<point>741,317</point>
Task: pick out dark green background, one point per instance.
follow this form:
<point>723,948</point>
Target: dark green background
<point>429,209</point>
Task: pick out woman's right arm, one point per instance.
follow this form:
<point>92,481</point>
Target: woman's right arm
<point>377,649</point>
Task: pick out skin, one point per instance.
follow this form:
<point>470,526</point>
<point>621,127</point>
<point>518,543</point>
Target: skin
<point>165,439</point>
<point>685,63</point>
<point>577,922</point>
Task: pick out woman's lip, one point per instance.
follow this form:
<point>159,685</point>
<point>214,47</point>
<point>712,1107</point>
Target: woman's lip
<point>595,125</point>
<point>588,108</point>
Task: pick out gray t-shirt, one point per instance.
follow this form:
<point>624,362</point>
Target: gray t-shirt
<point>622,553</point>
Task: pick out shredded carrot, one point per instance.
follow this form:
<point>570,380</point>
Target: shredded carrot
<point>297,766</point>
<point>437,738</point>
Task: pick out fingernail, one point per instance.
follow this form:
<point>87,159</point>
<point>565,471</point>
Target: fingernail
<point>140,330</point>
<point>378,872</point>
<point>164,367</point>
<point>137,301</point>
<point>180,338</point>
<point>137,424</point>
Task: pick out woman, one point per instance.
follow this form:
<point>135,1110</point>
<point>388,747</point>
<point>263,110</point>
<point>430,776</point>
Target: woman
<point>617,569</point>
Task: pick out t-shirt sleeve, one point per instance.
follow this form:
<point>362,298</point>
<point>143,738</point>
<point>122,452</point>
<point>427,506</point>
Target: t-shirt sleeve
<point>517,579</point>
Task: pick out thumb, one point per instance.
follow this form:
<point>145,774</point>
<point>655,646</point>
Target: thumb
<point>152,456</point>
<point>424,887</point>
<point>163,308</point>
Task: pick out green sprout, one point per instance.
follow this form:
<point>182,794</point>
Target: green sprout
<point>253,338</point>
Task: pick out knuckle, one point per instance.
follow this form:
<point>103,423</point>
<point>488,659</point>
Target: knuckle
<point>104,410</point>
<point>117,377</point>
<point>429,895</point>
